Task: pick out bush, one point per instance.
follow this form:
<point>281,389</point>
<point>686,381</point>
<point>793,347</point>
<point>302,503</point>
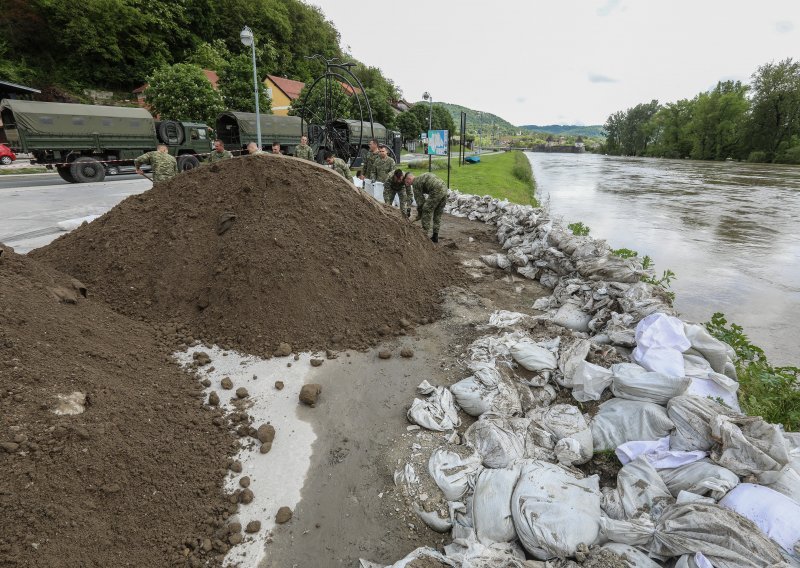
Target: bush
<point>757,156</point>
<point>579,229</point>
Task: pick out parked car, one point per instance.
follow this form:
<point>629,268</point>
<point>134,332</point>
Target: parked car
<point>6,155</point>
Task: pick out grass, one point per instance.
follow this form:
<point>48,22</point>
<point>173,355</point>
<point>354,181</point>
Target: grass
<point>31,170</point>
<point>770,392</point>
<point>506,176</point>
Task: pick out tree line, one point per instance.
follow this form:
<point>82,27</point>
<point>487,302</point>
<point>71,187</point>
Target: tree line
<point>759,122</point>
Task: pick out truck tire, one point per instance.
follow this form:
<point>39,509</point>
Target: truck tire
<point>86,170</point>
<point>167,127</point>
<point>187,162</point>
<point>64,173</point>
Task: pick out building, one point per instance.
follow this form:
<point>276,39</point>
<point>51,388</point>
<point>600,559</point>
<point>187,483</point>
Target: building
<point>138,92</point>
<point>9,90</point>
<point>282,92</point>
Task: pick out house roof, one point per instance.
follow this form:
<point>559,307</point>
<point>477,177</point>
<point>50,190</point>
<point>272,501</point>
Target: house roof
<point>9,87</point>
<point>289,87</point>
<point>212,77</point>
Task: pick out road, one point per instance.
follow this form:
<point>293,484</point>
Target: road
<point>31,206</point>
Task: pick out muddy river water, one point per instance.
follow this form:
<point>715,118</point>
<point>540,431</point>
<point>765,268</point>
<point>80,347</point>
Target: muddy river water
<point>728,230</point>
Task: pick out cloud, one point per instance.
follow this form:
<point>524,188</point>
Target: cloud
<point>597,78</point>
<point>784,27</point>
<point>607,8</point>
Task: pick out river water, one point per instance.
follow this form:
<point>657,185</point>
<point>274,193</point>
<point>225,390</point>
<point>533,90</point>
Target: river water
<point>728,230</point>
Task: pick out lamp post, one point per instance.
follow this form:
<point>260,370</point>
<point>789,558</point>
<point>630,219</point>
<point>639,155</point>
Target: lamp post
<point>427,96</point>
<point>246,35</point>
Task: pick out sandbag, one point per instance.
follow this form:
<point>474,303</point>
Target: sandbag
<point>568,360</point>
<point>693,561</point>
<point>634,557</point>
<point>717,387</point>
<point>609,268</point>
<point>566,422</point>
<point>775,514</point>
<point>496,260</point>
<point>641,490</point>
<point>589,381</point>
<point>692,416</point>
<point>618,421</point>
<point>438,412</point>
<point>748,445</point>
<point>657,453</point>
<point>487,391</point>
<point>787,481</point>
<point>533,357</point>
<point>712,349</point>
<point>660,343</point>
<point>491,505</point>
<point>634,382</point>
<point>453,473</point>
<point>431,557</point>
<point>554,511</point>
<point>702,477</point>
<point>499,441</point>
<point>572,317</point>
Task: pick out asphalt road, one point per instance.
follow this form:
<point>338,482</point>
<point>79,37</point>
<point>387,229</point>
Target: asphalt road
<point>31,206</point>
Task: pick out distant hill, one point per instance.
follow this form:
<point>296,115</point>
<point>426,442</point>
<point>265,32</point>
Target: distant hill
<point>474,119</point>
<point>567,129</point>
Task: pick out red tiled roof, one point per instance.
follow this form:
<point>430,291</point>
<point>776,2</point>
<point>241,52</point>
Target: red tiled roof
<point>212,77</point>
<point>289,87</point>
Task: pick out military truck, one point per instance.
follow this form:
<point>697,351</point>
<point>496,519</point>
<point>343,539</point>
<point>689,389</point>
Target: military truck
<point>86,142</point>
<point>238,129</point>
<point>349,139</point>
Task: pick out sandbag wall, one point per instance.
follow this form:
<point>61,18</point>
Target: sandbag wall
<point>701,484</point>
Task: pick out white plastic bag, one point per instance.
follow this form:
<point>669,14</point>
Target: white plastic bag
<point>568,360</point>
<point>618,421</point>
<point>533,357</point>
<point>749,445</point>
<point>634,557</point>
<point>504,318</point>
<point>453,473</point>
<point>660,343</point>
<point>701,477</point>
<point>692,416</point>
<point>589,381</point>
<point>438,412</point>
<point>491,505</point>
<point>634,382</point>
<point>487,391</point>
<point>572,317</point>
<point>641,490</point>
<point>657,453</point>
<point>711,348</point>
<point>775,514</point>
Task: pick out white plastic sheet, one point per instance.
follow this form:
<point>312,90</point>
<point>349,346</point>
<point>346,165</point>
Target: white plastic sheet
<point>634,382</point>
<point>775,514</point>
<point>491,505</point>
<point>437,412</point>
<point>589,381</point>
<point>660,343</point>
<point>504,318</point>
<point>701,477</point>
<point>453,473</point>
<point>657,453</point>
<point>618,421</point>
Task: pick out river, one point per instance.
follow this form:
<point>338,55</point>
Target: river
<point>728,230</point>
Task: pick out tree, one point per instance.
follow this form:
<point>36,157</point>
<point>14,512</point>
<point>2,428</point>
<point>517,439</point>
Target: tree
<point>717,119</point>
<point>341,105</point>
<point>236,86</point>
<point>440,117</point>
<point>182,92</point>
<point>671,138</point>
<point>214,55</point>
<point>382,111</point>
<point>613,130</point>
<point>409,126</point>
<point>775,114</point>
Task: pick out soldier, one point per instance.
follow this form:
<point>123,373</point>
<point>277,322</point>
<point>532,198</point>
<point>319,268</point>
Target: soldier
<point>253,149</point>
<point>219,152</point>
<point>383,165</point>
<point>429,208</point>
<point>369,160</point>
<point>163,166</point>
<point>276,148</point>
<point>394,186</point>
<point>338,166</point>
<point>409,194</point>
<point>303,150</point>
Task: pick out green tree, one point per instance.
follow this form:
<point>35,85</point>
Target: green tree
<point>316,110</point>
<point>236,86</point>
<point>613,130</point>
<point>382,111</point>
<point>775,113</point>
<point>182,92</point>
<point>409,126</point>
<point>213,56</point>
<point>717,120</point>
<point>439,115</point>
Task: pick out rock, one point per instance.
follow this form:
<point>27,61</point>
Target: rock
<point>226,383</point>
<point>241,392</point>
<point>213,398</point>
<point>265,448</point>
<point>246,496</point>
<point>407,352</point>
<point>206,382</point>
<point>201,358</point>
<point>405,323</point>
<point>10,447</point>
<point>111,488</point>
<point>316,362</point>
<point>385,354</point>
<point>284,350</point>
<point>207,545</point>
<point>384,330</point>
<point>265,433</point>
<point>235,539</point>
<point>329,354</point>
<point>253,527</point>
<point>310,393</point>
<point>244,482</point>
<point>234,527</point>
<point>283,516</point>
<point>236,467</point>
<point>279,384</point>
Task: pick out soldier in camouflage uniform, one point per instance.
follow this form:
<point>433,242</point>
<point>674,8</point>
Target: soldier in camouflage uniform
<point>409,194</point>
<point>383,165</point>
<point>339,166</point>
<point>369,160</point>
<point>431,195</point>
<point>219,152</point>
<point>303,150</point>
<point>163,166</point>
<point>253,149</point>
<point>394,186</point>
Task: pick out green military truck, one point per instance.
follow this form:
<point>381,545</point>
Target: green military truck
<point>349,139</point>
<point>86,142</point>
<point>238,129</point>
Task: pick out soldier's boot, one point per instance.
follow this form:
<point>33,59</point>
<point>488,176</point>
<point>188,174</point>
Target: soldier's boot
<point>435,237</point>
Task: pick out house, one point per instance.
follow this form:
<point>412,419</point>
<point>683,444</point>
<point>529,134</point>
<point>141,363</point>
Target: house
<point>138,92</point>
<point>579,142</point>
<point>282,92</point>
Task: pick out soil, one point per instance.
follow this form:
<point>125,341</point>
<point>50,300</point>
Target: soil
<point>133,480</point>
<point>306,259</point>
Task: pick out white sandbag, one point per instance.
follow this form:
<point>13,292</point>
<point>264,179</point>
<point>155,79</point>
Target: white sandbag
<point>533,357</point>
<point>437,412</point>
<point>618,421</point>
<point>589,381</point>
<point>702,477</point>
<point>432,519</point>
<point>641,490</point>
<point>491,505</point>
<point>496,260</point>
<point>554,511</point>
<point>504,318</point>
<point>788,481</point>
<point>749,445</point>
<point>420,555</point>
<point>469,553</point>
<point>406,477</point>
<point>566,422</point>
<point>693,561</point>
<point>610,269</point>
<point>775,514</point>
<point>568,360</point>
<point>692,416</point>
<point>634,557</point>
<point>657,453</point>
<point>543,396</point>
<point>660,343</point>
<point>572,317</point>
<point>453,473</point>
<point>634,382</point>
<point>487,392</point>
<point>712,349</point>
<point>717,387</point>
<point>489,348</point>
<point>499,441</point>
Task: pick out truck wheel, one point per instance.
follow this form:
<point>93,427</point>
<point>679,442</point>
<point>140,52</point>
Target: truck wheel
<point>187,162</point>
<point>86,170</point>
<point>64,173</point>
<point>171,132</point>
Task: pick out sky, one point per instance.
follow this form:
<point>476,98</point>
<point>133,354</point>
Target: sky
<point>564,61</point>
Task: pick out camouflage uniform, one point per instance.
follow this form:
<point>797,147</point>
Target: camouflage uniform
<point>164,166</point>
<point>340,167</point>
<point>215,156</point>
<point>304,151</point>
<point>383,167</point>
<point>368,168</point>
<point>409,199</point>
<point>391,187</point>
<point>430,208</point>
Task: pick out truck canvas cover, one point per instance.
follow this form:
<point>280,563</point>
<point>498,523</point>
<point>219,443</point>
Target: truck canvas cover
<point>38,118</point>
<point>240,127</point>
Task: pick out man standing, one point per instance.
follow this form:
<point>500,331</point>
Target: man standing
<point>276,148</point>
<point>383,165</point>
<point>431,195</point>
<point>219,152</point>
<point>369,160</point>
<point>394,186</point>
<point>163,166</point>
<point>338,166</point>
<point>303,150</point>
<point>253,149</point>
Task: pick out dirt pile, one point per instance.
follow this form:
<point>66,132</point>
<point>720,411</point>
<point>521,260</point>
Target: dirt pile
<point>131,474</point>
<point>257,251</point>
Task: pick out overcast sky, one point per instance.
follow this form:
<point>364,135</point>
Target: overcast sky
<point>564,61</point>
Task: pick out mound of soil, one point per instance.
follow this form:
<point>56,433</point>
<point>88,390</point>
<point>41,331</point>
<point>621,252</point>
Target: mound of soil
<point>260,250</point>
<point>133,480</point>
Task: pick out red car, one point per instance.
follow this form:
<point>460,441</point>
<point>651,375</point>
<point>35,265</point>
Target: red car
<point>6,155</point>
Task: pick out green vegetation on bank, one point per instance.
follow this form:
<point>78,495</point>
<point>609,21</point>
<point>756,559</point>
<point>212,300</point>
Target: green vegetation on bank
<point>770,392</point>
<point>506,176</point>
<point>20,171</point>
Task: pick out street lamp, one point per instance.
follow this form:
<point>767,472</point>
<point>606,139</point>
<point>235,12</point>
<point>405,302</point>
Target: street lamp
<point>246,35</point>
<point>427,96</point>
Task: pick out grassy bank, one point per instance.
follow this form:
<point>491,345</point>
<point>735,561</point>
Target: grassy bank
<point>507,176</point>
<point>18,171</point>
